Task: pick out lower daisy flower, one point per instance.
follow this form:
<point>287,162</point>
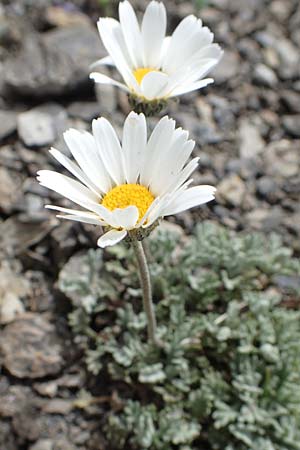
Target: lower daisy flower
<point>126,188</point>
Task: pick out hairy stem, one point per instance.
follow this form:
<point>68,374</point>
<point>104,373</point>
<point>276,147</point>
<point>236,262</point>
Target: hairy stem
<point>147,291</point>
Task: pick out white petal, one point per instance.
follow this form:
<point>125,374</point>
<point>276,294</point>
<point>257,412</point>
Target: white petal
<point>153,33</point>
<point>74,170</point>
<point>77,193</point>
<point>113,39</point>
<point>76,212</point>
<point>159,141</point>
<point>84,150</point>
<point>187,27</point>
<point>109,148</point>
<point>153,85</point>
<point>82,219</point>
<point>126,217</point>
<point>188,48</point>
<point>112,237</point>
<point>200,68</point>
<point>191,87</point>
<point>183,175</point>
<point>189,198</point>
<point>165,48</point>
<point>106,61</point>
<point>170,162</point>
<point>187,75</point>
<point>131,32</point>
<point>133,144</point>
<point>156,211</point>
<point>148,213</point>
<point>119,217</point>
<point>104,79</point>
<point>197,66</point>
<point>71,189</point>
<point>212,51</point>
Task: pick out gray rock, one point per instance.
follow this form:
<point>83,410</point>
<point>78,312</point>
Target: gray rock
<point>289,58</point>
<point>31,348</point>
<point>62,16</point>
<point>203,132</point>
<point>47,389</point>
<point>13,287</point>
<point>30,425</point>
<point>288,53</point>
<point>246,168</point>
<point>7,438</point>
<point>256,217</point>
<point>10,189</point>
<point>292,223</point>
<point>223,111</point>
<point>249,49</point>
<point>265,39</point>
<point>42,444</point>
<point>33,206</point>
<point>63,444</point>
<point>2,84</point>
<point>227,68</point>
<point>265,219</point>
<point>13,399</point>
<point>106,95</point>
<point>58,406</point>
<point>207,134</point>
<point>64,240</point>
<point>282,159</point>
<point>55,62</point>
<point>264,75</point>
<point>287,282</point>
<point>292,125</point>
<point>16,236</point>
<point>251,142</point>
<point>84,110</point>
<point>268,189</point>
<point>291,100</point>
<point>273,220</point>
<point>292,187</point>
<point>266,186</point>
<point>42,125</point>
<point>231,190</point>
<point>281,9</point>
<point>8,123</point>
<point>296,86</point>
<point>296,37</point>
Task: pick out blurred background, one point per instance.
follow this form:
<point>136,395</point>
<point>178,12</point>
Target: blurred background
<point>247,129</point>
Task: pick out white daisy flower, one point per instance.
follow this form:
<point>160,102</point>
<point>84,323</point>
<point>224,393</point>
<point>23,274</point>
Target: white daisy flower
<point>126,188</point>
<point>152,65</point>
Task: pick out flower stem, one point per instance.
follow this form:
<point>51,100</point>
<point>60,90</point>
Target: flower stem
<point>144,276</point>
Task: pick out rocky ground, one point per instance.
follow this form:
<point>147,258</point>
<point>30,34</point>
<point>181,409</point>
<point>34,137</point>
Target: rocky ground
<point>247,126</point>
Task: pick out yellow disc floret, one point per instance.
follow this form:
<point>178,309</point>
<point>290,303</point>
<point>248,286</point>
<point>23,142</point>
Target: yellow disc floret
<point>128,195</point>
<point>141,72</point>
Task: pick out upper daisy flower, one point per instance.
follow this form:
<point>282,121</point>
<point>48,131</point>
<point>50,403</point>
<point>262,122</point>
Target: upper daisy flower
<point>152,65</point>
<point>126,188</point>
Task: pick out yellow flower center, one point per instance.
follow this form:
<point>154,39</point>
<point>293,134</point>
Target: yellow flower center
<point>128,195</point>
<point>141,72</point>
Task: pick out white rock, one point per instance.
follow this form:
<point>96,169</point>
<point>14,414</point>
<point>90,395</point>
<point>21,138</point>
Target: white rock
<point>251,142</point>
<point>231,190</point>
<point>42,125</point>
<point>13,287</point>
